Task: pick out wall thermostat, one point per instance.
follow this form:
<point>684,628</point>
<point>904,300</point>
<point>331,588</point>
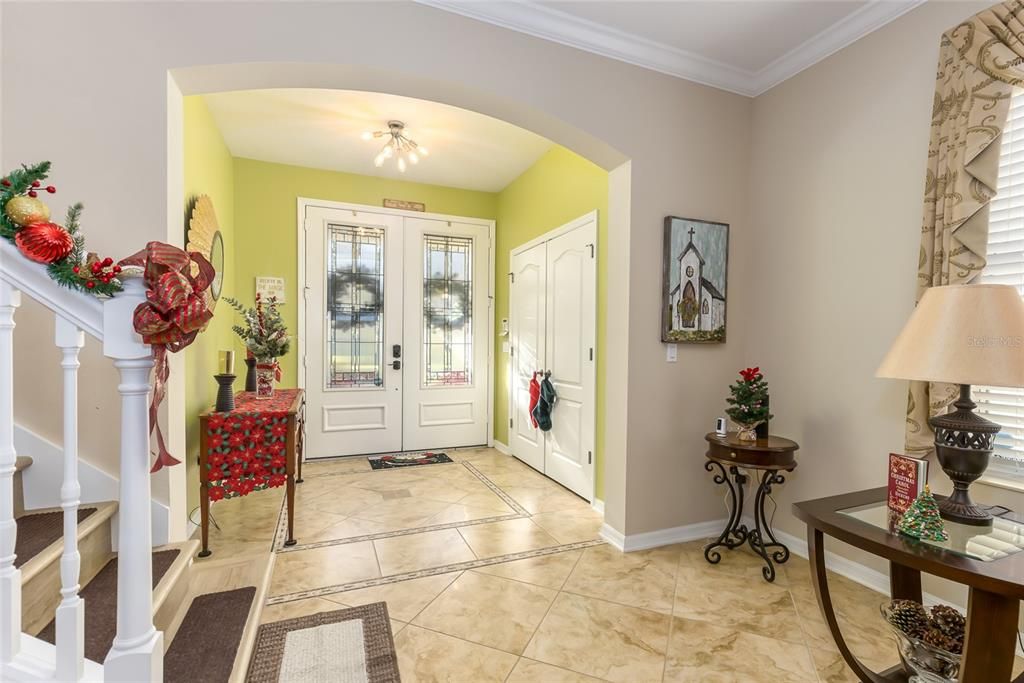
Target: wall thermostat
<point>721,426</point>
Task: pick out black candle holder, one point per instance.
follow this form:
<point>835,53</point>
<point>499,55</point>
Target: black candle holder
<point>250,375</point>
<point>225,393</point>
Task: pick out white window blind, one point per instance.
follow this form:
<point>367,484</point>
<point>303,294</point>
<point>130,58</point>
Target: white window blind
<point>1005,266</point>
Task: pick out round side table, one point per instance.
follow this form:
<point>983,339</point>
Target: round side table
<point>730,456</point>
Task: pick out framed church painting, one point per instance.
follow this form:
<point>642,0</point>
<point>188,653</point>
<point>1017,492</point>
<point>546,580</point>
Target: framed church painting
<point>695,263</point>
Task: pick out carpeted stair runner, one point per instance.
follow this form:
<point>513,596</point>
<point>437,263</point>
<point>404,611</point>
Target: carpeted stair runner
<point>100,597</point>
<point>207,641</point>
<point>37,531</point>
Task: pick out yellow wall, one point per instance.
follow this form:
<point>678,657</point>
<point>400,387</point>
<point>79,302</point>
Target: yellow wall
<point>265,206</point>
<point>560,187</point>
<point>209,169</point>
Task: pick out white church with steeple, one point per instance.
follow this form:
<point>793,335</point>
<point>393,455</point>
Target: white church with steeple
<point>695,304</point>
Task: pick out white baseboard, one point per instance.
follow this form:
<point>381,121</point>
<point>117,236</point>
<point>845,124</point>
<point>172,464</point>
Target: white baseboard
<point>501,448</point>
<point>598,506</point>
<point>655,539</point>
<point>43,479</point>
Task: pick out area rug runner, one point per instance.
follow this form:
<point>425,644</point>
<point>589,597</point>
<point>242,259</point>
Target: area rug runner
<point>100,597</point>
<point>345,646</point>
<point>205,646</point>
<point>36,532</point>
<point>383,462</point>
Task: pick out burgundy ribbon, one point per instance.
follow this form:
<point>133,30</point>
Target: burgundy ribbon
<point>173,314</point>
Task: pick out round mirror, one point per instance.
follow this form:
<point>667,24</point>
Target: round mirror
<point>217,261</point>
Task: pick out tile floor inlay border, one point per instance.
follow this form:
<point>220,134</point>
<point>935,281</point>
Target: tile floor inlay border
<point>282,523</point>
<point>432,571</point>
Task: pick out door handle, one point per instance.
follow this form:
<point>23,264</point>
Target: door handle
<point>396,365</point>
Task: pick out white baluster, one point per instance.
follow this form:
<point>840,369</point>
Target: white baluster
<point>10,578</point>
<point>137,652</point>
<point>71,611</point>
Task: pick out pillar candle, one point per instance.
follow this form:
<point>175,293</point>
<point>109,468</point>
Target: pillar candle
<point>229,363</point>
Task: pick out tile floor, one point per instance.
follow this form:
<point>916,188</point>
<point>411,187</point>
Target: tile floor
<point>491,572</point>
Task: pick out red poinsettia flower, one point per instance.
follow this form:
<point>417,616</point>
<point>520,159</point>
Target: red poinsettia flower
<point>277,480</point>
<point>215,493</point>
<point>236,471</point>
<point>215,422</point>
<point>278,461</point>
<point>750,374</point>
<point>215,441</point>
<point>248,423</point>
<point>215,460</point>
<point>236,440</point>
<point>245,456</point>
<point>215,474</point>
<point>258,436</point>
<point>280,429</point>
<point>276,448</point>
<point>247,486</point>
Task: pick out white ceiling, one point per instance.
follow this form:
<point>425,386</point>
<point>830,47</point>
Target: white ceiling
<point>743,46</point>
<point>322,129</point>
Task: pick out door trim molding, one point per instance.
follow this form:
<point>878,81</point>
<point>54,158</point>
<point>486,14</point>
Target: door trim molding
<point>302,203</point>
<point>591,216</point>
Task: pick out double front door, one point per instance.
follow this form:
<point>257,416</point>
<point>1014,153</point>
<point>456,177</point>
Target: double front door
<point>552,311</point>
<point>397,334</point>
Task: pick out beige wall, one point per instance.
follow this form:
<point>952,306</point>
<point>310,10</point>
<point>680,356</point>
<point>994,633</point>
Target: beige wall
<point>837,177</point>
<point>108,138</point>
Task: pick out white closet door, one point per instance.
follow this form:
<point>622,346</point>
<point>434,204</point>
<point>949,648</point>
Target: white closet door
<point>569,342</point>
<point>527,312</point>
<point>446,334</point>
<point>353,316</point>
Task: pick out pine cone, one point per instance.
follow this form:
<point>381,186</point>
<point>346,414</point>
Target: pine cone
<point>937,638</point>
<point>949,621</point>
<point>909,617</point>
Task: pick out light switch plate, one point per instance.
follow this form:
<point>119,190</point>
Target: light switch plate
<point>504,347</point>
<point>671,352</point>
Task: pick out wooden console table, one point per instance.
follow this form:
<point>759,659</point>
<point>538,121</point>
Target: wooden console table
<point>257,446</point>
<point>771,456</point>
<point>992,567</point>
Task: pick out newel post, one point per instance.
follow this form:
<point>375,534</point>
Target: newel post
<point>137,652</point>
<point>10,578</point>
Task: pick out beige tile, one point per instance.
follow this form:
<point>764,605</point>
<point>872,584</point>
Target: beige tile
<point>486,499</point>
<point>305,569</point>
<point>748,604</point>
<point>544,497</point>
<point>701,652</point>
<point>870,642</point>
<point>549,571</point>
<point>314,468</point>
<point>406,513</point>
<point>601,639</point>
<point>571,526</point>
<point>457,512</point>
<point>429,657</point>
<point>404,599</point>
<point>297,608</point>
<point>832,668</point>
<point>742,562</point>
<point>530,671</point>
<point>645,578</point>
<point>421,551</point>
<point>504,538</point>
<point>488,610</point>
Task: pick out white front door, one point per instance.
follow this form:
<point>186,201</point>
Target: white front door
<point>397,332</point>
<point>553,315</point>
<point>447,329</point>
<point>353,318</point>
<point>527,312</point>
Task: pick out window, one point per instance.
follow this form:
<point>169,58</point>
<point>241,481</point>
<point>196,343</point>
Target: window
<point>447,311</point>
<point>1005,266</point>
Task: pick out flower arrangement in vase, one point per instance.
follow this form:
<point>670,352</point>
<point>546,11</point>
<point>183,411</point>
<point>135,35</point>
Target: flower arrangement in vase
<point>265,337</point>
<point>748,405</point>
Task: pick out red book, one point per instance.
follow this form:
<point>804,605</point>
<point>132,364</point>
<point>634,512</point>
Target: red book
<point>907,477</point>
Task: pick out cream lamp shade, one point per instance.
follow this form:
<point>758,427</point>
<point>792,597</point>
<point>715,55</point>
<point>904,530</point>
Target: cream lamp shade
<point>962,334</point>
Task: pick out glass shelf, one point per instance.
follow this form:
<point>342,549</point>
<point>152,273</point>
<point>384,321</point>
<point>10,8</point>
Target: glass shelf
<point>1004,538</point>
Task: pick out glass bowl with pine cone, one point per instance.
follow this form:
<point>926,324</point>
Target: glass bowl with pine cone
<point>930,644</point>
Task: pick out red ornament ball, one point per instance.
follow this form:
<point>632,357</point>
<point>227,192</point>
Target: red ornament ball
<point>107,261</point>
<point>44,242</point>
<point>75,270</point>
<point>90,284</point>
<point>36,183</point>
<point>33,193</point>
<point>51,189</point>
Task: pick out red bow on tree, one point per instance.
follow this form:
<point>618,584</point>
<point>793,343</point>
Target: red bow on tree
<point>175,312</point>
<point>750,374</point>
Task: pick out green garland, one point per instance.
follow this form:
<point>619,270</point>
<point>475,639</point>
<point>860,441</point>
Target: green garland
<point>73,271</point>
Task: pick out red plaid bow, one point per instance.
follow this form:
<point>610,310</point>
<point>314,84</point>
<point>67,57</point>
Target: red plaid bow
<point>175,312</point>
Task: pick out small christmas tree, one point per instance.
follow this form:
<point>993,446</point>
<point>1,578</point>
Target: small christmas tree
<point>749,400</point>
<point>922,520</point>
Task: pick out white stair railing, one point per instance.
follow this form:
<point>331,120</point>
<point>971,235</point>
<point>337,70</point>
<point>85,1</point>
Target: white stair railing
<point>137,651</point>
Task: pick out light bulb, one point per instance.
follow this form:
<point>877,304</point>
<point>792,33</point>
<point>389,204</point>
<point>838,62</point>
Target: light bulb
<point>401,164</point>
<point>378,160</point>
<point>388,152</point>
<point>413,158</point>
<point>423,150</point>
<point>367,135</point>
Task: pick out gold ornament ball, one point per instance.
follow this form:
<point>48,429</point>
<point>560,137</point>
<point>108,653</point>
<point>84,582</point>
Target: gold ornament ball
<point>27,210</point>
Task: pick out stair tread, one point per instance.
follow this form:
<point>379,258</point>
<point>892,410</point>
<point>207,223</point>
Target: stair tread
<point>201,653</point>
<point>100,597</point>
<point>36,531</point>
<point>21,462</point>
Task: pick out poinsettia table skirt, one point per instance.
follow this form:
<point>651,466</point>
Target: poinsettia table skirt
<point>256,446</point>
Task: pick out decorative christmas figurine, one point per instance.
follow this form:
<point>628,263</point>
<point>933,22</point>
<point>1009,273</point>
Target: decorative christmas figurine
<point>922,520</point>
<point>749,403</point>
<point>44,242</point>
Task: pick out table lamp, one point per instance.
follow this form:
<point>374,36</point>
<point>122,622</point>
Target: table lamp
<point>962,334</point>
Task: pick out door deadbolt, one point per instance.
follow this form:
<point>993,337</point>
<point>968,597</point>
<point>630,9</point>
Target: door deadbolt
<point>396,365</point>
<point>396,351</point>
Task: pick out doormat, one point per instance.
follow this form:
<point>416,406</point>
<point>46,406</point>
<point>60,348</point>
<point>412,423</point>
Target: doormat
<point>384,462</point>
<point>344,646</point>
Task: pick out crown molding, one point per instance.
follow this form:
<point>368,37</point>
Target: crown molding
<point>544,22</point>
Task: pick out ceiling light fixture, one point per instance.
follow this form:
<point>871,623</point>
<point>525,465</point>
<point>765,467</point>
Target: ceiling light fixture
<point>397,145</point>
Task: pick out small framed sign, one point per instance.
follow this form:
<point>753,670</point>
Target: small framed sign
<point>404,205</point>
<point>267,287</point>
